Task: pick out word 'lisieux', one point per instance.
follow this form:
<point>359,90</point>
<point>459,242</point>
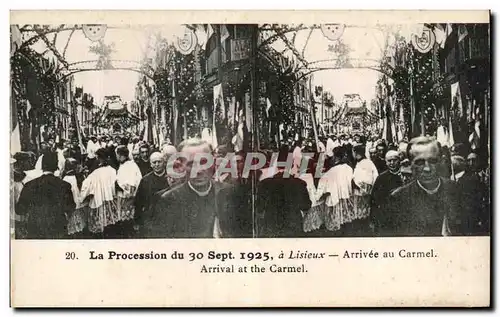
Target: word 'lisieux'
<point>253,161</point>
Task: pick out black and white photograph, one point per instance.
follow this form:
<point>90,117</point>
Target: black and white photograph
<point>333,130</point>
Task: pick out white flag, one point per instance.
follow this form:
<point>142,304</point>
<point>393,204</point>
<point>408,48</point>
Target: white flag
<point>248,112</point>
<point>449,29</point>
<point>281,129</point>
<point>269,105</point>
<point>210,32</point>
<point>451,138</point>
<point>15,138</point>
<point>462,33</point>
<point>201,35</point>
<point>224,34</point>
<point>28,108</point>
<point>219,100</point>
<point>441,36</point>
<point>456,95</point>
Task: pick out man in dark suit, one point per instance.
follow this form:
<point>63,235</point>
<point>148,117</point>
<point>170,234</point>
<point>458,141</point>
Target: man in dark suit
<point>46,202</point>
<point>281,199</point>
<point>150,184</point>
<point>474,211</point>
<point>195,208</point>
<point>426,206</point>
<point>385,184</point>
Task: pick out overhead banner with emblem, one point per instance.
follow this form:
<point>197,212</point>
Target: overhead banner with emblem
<point>423,42</point>
<point>94,32</point>
<point>186,42</point>
<point>333,31</point>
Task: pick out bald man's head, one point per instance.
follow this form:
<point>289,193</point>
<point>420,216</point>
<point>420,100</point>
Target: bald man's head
<point>391,154</point>
<point>158,163</point>
<point>392,160</point>
<point>168,150</point>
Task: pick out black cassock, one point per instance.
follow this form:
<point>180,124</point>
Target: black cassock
<point>148,187</point>
<point>280,201</point>
<point>46,201</point>
<point>385,184</point>
<point>182,213</point>
<point>411,211</point>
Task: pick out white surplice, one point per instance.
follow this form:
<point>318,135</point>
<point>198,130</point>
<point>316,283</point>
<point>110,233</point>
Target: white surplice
<point>337,183</point>
<point>100,186</point>
<point>364,177</point>
<point>128,178</point>
<point>78,219</point>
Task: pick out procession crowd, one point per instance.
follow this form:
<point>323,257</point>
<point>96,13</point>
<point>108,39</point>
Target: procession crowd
<point>121,187</point>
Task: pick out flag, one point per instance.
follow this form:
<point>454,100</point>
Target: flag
<point>224,34</point>
<point>231,111</point>
<point>449,29</point>
<point>145,132</point>
<point>148,129</point>
<point>238,138</point>
<point>268,107</point>
<point>16,38</point>
<point>219,101</point>
<point>462,32</point>
<point>474,138</point>
<point>15,134</point>
<point>215,143</point>
<point>440,33</point>
<point>451,138</point>
<point>388,132</point>
<point>210,32</point>
<point>201,35</point>
<point>456,99</point>
<point>415,131</point>
<point>78,132</point>
<point>28,108</point>
<point>175,112</point>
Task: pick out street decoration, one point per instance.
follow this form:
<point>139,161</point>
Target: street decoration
<point>332,31</point>
<point>186,42</point>
<point>94,32</point>
<point>103,51</point>
<point>424,42</point>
